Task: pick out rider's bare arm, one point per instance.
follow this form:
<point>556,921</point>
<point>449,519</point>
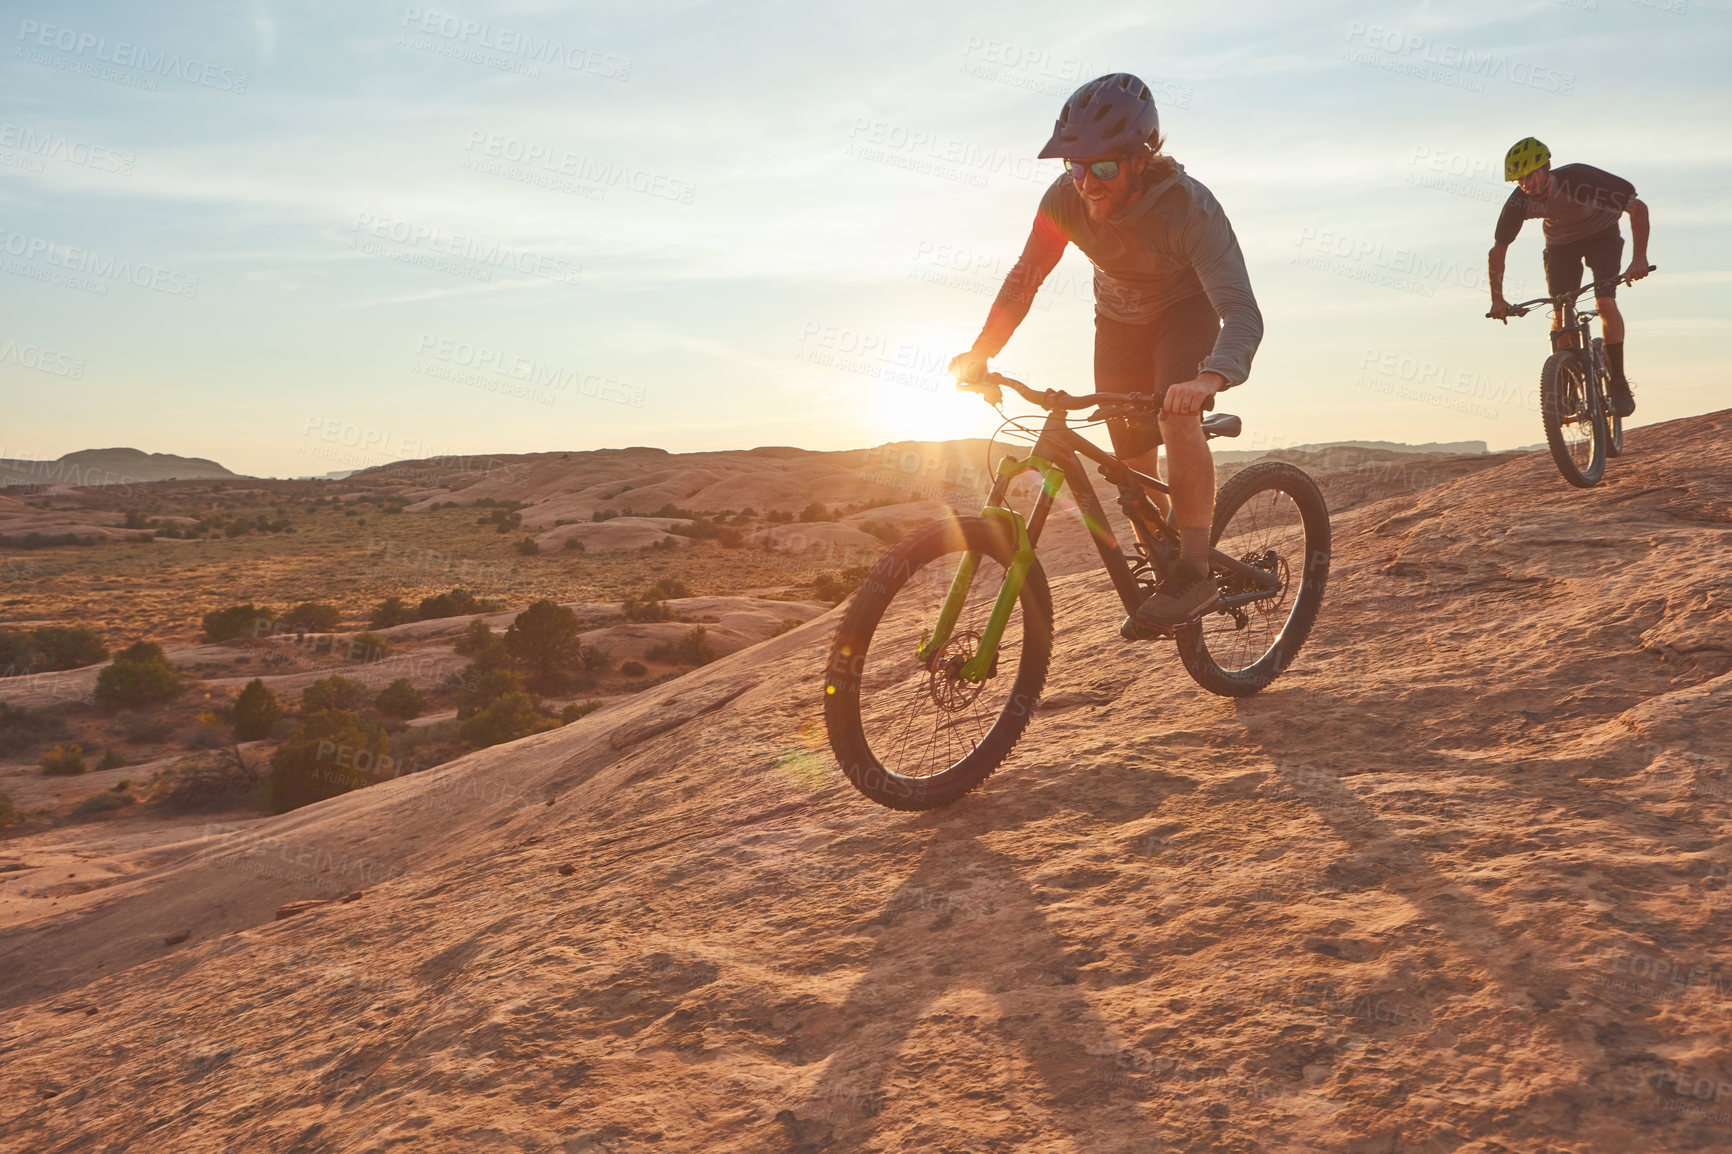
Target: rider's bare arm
<point>1494,273</point>
<point>1046,243</point>
<point>1639,231</point>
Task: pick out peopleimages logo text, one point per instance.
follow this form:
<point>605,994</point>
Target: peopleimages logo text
<point>467,248</point>
<point>123,54</point>
<point>104,266</point>
<point>515,42</point>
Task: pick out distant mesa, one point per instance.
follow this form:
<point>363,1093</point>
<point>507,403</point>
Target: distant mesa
<point>1441,448</point>
<point>96,467</point>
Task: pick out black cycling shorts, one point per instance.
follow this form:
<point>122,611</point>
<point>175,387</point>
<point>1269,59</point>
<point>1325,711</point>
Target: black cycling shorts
<point>1147,358</point>
<point>1603,253</point>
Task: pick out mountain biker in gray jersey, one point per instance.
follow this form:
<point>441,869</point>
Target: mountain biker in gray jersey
<point>1174,312</point>
<point>1581,206</point>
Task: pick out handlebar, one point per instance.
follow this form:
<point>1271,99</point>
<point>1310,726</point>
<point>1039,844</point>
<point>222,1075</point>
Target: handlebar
<point>991,385</point>
<point>1561,299</point>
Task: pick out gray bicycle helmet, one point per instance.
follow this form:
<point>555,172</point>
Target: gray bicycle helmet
<point>1114,113</point>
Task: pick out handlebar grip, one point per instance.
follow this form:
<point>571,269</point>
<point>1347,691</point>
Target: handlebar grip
<point>985,387</point>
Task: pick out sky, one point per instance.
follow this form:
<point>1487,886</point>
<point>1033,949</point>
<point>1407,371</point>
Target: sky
<point>305,238</point>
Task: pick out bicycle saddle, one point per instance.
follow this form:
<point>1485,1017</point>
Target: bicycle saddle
<point>1221,425</point>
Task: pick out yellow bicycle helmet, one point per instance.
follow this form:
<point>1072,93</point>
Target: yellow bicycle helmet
<point>1525,156</point>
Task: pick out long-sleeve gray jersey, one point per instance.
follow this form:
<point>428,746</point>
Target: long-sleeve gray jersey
<point>1169,244</point>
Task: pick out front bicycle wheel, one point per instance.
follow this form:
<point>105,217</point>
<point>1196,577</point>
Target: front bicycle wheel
<point>1271,517</point>
<point>918,734</point>
<point>1575,423</point>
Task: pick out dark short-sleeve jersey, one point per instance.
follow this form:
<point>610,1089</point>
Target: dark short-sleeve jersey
<point>1584,201</point>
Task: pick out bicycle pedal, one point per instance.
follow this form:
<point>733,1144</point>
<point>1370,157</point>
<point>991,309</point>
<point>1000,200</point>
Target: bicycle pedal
<point>1134,630</point>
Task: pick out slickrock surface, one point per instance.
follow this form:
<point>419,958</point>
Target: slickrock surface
<point>1456,882</point>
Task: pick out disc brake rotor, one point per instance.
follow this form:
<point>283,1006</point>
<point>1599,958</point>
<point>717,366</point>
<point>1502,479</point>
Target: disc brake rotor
<point>945,683</point>
<point>1271,562</point>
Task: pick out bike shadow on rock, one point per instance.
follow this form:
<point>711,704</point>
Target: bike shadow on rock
<point>1546,843</point>
<point>970,975</point>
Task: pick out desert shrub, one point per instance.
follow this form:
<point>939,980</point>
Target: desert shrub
<point>111,760</point>
<point>60,647</point>
<point>651,603</point>
<point>312,617</point>
<point>63,760</point>
<point>368,646</point>
<point>208,733</point>
<point>34,540</point>
<point>17,652</point>
<point>527,547</point>
<point>247,620</point>
<point>8,811</point>
<point>333,693</point>
<point>393,610</point>
<point>730,538</point>
<point>203,782</point>
<point>331,753</point>
<point>604,515</point>
<point>691,649</point>
<point>595,659</point>
<point>140,676</point>
<point>485,687</point>
<point>778,516</point>
<point>572,544</point>
<point>493,655</point>
<point>400,699</point>
<point>835,587</point>
<point>815,512</point>
<point>143,651</point>
<point>636,607</point>
<point>574,711</point>
<point>889,534</point>
<point>52,647</point>
<point>107,801</point>
<point>543,640</point>
<point>787,625</point>
<point>457,603</point>
<point>506,718</point>
<point>21,729</point>
<point>256,712</point>
<point>476,638</point>
<point>633,668</point>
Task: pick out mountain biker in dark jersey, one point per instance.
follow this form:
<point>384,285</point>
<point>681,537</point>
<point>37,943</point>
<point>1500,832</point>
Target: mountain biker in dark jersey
<point>1581,206</point>
<point>1174,313</point>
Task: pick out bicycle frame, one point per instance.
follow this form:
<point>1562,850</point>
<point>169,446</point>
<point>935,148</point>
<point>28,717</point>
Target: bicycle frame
<point>1580,322</point>
<point>1057,457</point>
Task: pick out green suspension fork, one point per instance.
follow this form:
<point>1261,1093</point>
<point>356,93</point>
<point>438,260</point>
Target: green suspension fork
<point>979,667</point>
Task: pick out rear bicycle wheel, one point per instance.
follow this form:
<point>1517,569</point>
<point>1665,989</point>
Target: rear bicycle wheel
<point>913,734</point>
<point>1575,423</point>
<point>1272,517</point>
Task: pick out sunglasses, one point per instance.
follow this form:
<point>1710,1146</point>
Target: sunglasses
<point>1103,169</point>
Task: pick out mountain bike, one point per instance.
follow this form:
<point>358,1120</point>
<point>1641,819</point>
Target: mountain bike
<point>1581,429</point>
<point>939,662</point>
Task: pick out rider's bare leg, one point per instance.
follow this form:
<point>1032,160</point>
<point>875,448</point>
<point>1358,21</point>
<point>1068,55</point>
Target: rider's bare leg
<point>1191,469</point>
<point>1611,320</point>
<point>1562,338</point>
<point>1149,464</point>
